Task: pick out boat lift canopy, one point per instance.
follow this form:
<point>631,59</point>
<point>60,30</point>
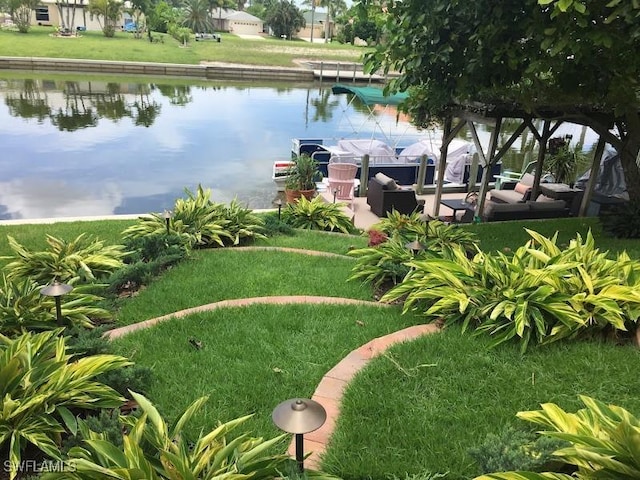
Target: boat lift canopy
<point>371,95</point>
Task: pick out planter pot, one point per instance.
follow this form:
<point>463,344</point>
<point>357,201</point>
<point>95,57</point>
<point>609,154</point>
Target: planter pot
<point>293,195</point>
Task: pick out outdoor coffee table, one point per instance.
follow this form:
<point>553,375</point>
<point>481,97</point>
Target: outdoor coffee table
<point>456,204</point>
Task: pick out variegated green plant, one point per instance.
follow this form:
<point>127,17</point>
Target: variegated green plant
<point>605,442</point>
<point>387,261</point>
<point>23,308</point>
<point>316,214</point>
<point>541,292</point>
<point>83,259</point>
<point>390,260</point>
<point>153,450</point>
<point>40,383</point>
<point>433,234</point>
<point>201,222</point>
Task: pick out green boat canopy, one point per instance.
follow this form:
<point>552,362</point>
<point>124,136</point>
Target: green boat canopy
<point>371,95</point>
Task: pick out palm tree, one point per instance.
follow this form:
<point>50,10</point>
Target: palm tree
<point>196,15</point>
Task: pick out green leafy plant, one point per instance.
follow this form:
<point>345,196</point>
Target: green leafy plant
<point>84,259</point>
<point>541,292</point>
<point>432,234</point>
<point>276,226</point>
<point>386,262</point>
<point>390,261</point>
<point>603,441</point>
<point>153,450</point>
<point>149,256</point>
<point>303,173</point>
<point>513,449</point>
<point>23,308</point>
<point>623,221</point>
<point>201,222</point>
<point>563,163</point>
<point>316,214</point>
<point>152,247</point>
<point>40,386</point>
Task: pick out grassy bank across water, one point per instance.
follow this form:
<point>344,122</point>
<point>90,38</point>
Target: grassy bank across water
<point>124,47</point>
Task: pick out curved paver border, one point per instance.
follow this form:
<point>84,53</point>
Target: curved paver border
<point>240,302</point>
<point>331,387</point>
<point>313,253</point>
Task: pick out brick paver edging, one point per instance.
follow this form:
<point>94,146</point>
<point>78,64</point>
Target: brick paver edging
<point>313,253</point>
<point>240,302</point>
<point>331,387</point>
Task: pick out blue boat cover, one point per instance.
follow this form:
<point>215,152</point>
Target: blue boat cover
<point>371,95</point>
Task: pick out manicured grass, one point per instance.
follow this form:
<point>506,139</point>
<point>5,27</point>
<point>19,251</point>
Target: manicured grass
<point>33,236</point>
<point>253,358</point>
<point>498,235</point>
<point>219,274</point>
<point>443,393</point>
<point>312,240</point>
<point>124,47</point>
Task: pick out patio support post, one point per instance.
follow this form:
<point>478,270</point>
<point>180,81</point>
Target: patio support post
<point>547,131</point>
<point>364,176</point>
<point>442,163</point>
<point>422,174</point>
<point>486,171</point>
<point>593,175</point>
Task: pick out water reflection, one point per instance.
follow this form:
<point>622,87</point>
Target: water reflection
<point>97,147</point>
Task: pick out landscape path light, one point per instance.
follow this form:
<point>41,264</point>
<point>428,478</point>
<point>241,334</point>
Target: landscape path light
<point>167,219</point>
<point>278,203</point>
<point>56,290</point>
<point>415,247</point>
<point>299,416</point>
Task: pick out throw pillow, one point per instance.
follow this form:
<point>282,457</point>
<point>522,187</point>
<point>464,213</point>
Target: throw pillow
<point>387,183</point>
<point>544,198</point>
<point>521,188</point>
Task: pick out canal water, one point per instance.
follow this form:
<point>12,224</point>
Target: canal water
<point>84,146</point>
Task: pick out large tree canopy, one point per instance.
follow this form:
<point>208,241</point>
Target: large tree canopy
<point>577,56</point>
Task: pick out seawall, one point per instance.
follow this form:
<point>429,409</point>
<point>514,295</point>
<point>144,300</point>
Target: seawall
<point>213,71</point>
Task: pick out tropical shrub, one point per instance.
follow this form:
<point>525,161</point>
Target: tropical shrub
<point>432,234</point>
<point>623,221</point>
<point>41,385</point>
<point>390,260</point>
<point>148,257</point>
<point>152,247</point>
<point>386,262</point>
<point>603,441</point>
<point>316,214</point>
<point>154,450</point>
<point>513,449</point>
<point>23,308</point>
<point>201,222</point>
<point>541,292</point>
<point>82,260</point>
<point>275,226</point>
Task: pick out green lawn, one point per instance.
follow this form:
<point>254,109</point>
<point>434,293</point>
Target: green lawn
<point>418,408</point>
<point>232,49</point>
<point>454,389</point>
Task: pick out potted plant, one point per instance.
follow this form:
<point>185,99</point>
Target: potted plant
<point>563,164</point>
<point>302,177</point>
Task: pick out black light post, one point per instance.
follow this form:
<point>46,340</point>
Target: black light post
<point>278,203</point>
<point>415,247</point>
<point>335,194</point>
<point>167,219</point>
<point>299,416</point>
<point>56,290</point>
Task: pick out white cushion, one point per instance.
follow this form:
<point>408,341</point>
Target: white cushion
<point>387,182</point>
